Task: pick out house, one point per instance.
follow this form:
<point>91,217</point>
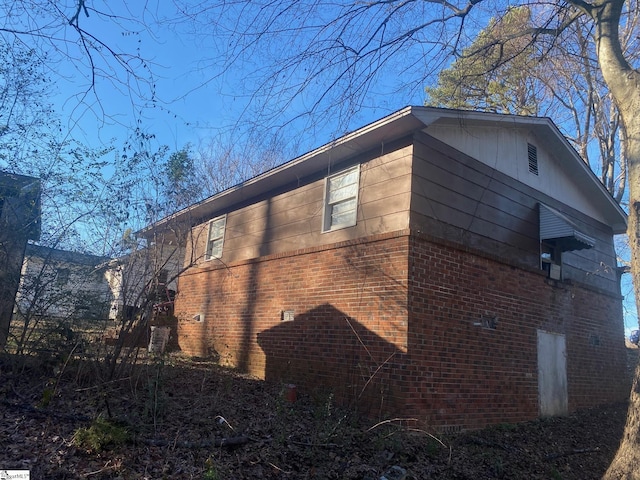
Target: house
<point>132,277</point>
<point>143,285</point>
<point>82,291</point>
<point>20,222</point>
<point>62,285</point>
<point>452,267</point>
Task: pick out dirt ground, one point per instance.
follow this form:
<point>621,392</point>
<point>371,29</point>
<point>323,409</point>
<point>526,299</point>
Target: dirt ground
<point>175,412</point>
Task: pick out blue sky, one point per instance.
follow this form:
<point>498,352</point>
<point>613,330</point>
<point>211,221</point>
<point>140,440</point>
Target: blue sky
<point>195,98</point>
<point>184,110</point>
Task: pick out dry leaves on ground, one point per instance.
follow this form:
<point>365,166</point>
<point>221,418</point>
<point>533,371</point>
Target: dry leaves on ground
<point>177,410</point>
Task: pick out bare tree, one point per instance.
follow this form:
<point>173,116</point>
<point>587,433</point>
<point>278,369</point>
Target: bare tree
<point>62,296</point>
<point>222,162</point>
<point>89,46</point>
<point>503,71</point>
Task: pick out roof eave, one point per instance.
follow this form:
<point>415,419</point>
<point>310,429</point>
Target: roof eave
<point>394,126</point>
<point>387,129</point>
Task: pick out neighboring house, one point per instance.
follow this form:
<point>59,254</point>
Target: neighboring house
<point>132,277</point>
<point>62,285</point>
<point>143,285</point>
<point>452,267</point>
<point>79,290</point>
<point>19,222</point>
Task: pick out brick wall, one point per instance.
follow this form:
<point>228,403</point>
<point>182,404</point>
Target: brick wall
<point>466,374</point>
<point>349,304</point>
<point>411,334</point>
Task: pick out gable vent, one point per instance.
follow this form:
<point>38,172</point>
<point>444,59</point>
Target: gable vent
<point>533,158</point>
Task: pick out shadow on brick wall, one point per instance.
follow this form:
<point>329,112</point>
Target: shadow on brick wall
<point>324,351</point>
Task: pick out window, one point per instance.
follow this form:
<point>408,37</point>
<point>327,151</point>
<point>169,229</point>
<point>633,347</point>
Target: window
<point>215,239</point>
<point>62,276</point>
<point>532,151</point>
<point>550,253</point>
<point>341,199</point>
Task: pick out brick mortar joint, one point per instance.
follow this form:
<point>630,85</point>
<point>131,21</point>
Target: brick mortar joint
<point>381,237</point>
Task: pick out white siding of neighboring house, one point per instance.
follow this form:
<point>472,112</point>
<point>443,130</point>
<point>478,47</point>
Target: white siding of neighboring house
<point>128,277</point>
<point>53,285</point>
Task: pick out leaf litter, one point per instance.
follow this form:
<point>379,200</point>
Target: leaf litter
<point>184,418</point>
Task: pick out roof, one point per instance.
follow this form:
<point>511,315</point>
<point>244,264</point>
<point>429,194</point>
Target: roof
<point>65,256</point>
<point>392,127</point>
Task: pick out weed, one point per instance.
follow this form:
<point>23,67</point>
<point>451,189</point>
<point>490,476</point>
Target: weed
<point>433,447</point>
<point>47,396</point>
<point>154,405</point>
<point>210,473</point>
<point>555,474</point>
<point>505,427</point>
<point>100,435</point>
<point>498,467</point>
<point>323,407</point>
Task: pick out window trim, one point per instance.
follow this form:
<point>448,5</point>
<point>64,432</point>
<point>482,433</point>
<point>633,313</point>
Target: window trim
<point>326,206</point>
<point>207,252</point>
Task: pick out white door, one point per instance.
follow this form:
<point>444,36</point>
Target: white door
<point>552,374</point>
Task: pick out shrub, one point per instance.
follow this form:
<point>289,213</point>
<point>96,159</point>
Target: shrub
<point>102,434</point>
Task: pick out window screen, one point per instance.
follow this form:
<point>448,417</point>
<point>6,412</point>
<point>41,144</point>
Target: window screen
<point>215,238</point>
<point>341,199</point>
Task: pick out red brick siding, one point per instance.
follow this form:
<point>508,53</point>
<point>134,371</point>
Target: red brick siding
<point>350,316</point>
<point>389,322</point>
<point>466,375</point>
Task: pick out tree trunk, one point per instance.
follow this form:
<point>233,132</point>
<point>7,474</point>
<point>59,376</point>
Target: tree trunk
<point>624,84</point>
<point>624,465</point>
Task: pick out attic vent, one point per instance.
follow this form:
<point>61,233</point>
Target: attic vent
<point>533,158</point>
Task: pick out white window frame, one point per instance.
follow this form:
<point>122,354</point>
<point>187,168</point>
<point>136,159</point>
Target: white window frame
<point>219,236</point>
<point>329,204</point>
